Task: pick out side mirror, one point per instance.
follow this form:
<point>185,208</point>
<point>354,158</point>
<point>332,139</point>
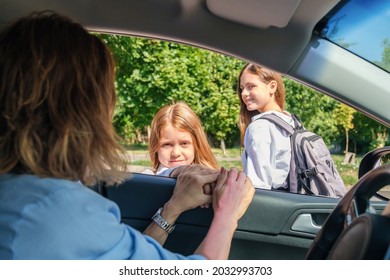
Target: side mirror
<point>372,160</point>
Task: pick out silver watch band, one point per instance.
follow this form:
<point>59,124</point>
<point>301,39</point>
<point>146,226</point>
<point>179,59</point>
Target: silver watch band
<point>158,219</point>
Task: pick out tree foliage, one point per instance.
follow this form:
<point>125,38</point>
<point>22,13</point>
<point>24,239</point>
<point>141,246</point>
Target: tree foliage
<point>344,117</point>
<point>385,63</point>
<point>314,109</point>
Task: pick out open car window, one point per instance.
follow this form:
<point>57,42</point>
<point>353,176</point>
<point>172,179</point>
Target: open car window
<point>153,73</point>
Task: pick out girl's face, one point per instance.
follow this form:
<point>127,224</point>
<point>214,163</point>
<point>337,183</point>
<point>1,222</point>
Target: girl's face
<point>175,147</point>
<point>256,94</point>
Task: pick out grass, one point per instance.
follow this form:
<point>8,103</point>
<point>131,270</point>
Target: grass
<point>232,158</point>
<point>141,162</point>
<point>230,153</point>
<point>348,172</point>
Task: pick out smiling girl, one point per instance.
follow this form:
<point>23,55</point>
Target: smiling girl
<point>267,151</point>
<point>177,138</point>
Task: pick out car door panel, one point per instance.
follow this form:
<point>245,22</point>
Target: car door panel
<point>277,225</point>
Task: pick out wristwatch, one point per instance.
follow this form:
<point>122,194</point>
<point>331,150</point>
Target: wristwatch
<point>158,219</point>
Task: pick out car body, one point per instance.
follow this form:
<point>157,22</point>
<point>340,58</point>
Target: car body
<point>282,35</point>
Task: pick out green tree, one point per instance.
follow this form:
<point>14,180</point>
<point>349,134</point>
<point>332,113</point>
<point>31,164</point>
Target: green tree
<point>368,134</point>
<point>153,73</point>
<point>314,109</point>
<point>220,105</point>
<point>385,63</point>
<point>343,115</point>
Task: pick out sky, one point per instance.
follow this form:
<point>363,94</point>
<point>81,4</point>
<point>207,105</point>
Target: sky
<point>364,24</point>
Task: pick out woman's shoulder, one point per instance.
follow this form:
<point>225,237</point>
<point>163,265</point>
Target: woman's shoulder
<point>26,183</point>
<point>34,190</point>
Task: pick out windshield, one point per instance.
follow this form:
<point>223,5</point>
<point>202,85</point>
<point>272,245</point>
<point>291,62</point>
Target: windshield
<point>362,27</point>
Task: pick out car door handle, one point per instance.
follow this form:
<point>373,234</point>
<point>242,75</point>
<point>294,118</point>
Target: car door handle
<point>304,223</point>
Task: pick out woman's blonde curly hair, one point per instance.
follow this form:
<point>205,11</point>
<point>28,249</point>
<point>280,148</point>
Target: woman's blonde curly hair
<point>57,98</point>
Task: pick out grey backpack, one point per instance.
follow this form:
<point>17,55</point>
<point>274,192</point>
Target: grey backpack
<point>312,170</point>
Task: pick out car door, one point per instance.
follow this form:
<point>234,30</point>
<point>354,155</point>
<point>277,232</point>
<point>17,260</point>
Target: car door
<point>277,225</point>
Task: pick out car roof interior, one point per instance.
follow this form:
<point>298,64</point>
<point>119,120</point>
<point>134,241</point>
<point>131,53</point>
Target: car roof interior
<point>279,34</point>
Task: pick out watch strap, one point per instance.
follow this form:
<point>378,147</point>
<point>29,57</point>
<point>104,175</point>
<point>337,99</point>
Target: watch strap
<point>158,219</point>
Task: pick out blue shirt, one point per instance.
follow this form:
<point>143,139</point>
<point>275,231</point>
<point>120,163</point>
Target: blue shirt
<point>46,218</point>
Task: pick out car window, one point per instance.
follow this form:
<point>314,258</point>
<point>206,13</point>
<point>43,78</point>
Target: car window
<point>152,73</point>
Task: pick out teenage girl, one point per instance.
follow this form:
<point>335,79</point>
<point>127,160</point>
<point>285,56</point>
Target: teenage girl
<point>267,151</point>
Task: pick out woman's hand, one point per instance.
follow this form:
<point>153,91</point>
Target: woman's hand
<point>232,196</point>
<point>193,187</point>
<point>232,193</point>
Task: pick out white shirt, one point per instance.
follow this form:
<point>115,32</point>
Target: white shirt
<point>267,152</point>
<point>161,171</point>
<point>164,171</point>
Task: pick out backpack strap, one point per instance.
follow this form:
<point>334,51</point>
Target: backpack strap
<point>287,127</point>
<point>297,121</point>
<point>304,185</point>
<point>280,122</point>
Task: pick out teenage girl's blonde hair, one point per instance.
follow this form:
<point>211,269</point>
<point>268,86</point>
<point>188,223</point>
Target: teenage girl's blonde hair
<point>57,99</point>
<point>266,76</point>
<point>181,117</point>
